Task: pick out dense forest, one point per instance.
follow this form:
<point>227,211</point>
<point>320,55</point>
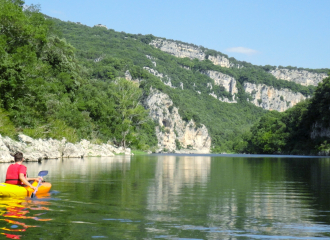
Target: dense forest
<point>46,92</point>
<point>290,132</point>
<point>64,79</point>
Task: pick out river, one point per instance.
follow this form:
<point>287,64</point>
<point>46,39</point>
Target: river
<point>175,197</point>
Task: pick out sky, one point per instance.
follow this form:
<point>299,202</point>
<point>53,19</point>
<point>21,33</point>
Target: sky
<point>275,32</point>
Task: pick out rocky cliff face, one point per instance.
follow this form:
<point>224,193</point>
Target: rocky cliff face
<point>302,77</point>
<point>221,61</point>
<point>183,50</point>
<point>270,98</point>
<point>178,49</point>
<point>220,79</point>
<point>172,130</point>
<point>264,96</point>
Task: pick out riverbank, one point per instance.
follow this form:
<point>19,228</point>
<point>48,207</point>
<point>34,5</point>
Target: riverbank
<point>39,149</point>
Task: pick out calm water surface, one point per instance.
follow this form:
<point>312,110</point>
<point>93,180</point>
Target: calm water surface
<point>175,197</point>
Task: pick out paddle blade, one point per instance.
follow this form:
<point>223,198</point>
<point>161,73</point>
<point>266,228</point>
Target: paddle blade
<point>43,173</point>
<point>40,174</point>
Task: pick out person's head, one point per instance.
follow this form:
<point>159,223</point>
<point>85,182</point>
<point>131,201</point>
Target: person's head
<point>18,157</point>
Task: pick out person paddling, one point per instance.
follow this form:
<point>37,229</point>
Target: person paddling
<point>16,173</point>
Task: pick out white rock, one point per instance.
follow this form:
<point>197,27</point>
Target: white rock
<point>190,51</point>
<point>172,128</point>
<point>4,152</point>
<point>38,149</point>
<point>270,98</point>
<point>302,77</point>
<point>72,151</point>
<point>128,151</point>
<point>220,79</point>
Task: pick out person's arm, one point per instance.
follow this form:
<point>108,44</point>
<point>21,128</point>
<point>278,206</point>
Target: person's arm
<point>25,180</point>
<point>34,179</point>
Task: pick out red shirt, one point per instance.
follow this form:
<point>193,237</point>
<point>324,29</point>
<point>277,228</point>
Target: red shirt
<point>13,171</point>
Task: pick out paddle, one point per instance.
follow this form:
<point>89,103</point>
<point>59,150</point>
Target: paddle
<point>41,174</point>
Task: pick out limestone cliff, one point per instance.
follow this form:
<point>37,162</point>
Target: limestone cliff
<point>172,129</point>
<point>302,77</point>
<point>184,50</point>
<point>220,79</point>
<point>221,61</point>
<point>270,98</point>
<point>263,96</point>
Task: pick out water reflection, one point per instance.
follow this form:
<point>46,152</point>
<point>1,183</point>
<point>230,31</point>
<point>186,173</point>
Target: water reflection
<point>62,168</point>
<point>249,195</point>
<point>172,173</point>
<point>15,210</point>
<point>173,197</point>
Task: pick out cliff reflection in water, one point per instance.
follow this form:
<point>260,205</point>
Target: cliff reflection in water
<point>174,173</point>
<point>224,194</point>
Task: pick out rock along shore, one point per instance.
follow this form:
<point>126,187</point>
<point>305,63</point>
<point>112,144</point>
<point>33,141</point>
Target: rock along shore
<point>39,149</point>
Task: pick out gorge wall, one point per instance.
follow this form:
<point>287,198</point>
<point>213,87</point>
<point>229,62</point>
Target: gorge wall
<point>270,98</point>
<point>301,77</point>
<point>184,50</point>
<point>220,79</point>
<point>266,97</point>
<point>172,130</point>
<point>228,82</point>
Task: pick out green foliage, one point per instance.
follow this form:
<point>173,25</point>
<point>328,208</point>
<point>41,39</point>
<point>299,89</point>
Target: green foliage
<point>268,136</point>
<point>319,108</point>
<point>178,144</point>
<point>106,51</point>
<point>290,132</point>
<point>145,136</point>
<point>138,152</point>
<point>324,147</point>
<point>48,88</point>
<point>321,70</point>
<point>190,147</point>
<point>47,93</point>
<point>56,129</point>
<point>7,127</point>
<point>128,112</point>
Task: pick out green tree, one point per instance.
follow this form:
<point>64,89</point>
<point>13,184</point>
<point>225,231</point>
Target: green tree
<point>268,135</point>
<point>129,113</point>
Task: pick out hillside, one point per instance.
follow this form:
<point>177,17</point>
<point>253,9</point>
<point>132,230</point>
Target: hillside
<point>224,94</point>
<point>91,82</point>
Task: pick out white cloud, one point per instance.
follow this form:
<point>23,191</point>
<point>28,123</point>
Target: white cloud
<point>243,50</point>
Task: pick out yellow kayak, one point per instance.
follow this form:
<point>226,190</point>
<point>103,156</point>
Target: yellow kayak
<point>10,190</point>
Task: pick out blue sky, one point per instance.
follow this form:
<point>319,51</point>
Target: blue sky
<point>275,32</point>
